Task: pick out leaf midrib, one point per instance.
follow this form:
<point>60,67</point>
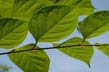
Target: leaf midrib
<point>54,24</point>
<point>10,31</point>
<point>96,30</point>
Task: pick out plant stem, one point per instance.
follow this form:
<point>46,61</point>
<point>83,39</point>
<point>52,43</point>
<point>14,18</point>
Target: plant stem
<point>48,48</point>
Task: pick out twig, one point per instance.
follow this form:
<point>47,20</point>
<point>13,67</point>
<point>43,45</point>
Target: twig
<point>48,48</point>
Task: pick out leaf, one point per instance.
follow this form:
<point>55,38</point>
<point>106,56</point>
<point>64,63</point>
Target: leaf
<point>80,7</point>
<point>31,61</point>
<point>104,48</point>
<point>48,2</point>
<point>83,53</point>
<point>26,8</point>
<point>55,1</point>
<point>52,23</point>
<point>21,9</point>
<point>95,24</point>
<point>12,32</point>
<point>5,6</point>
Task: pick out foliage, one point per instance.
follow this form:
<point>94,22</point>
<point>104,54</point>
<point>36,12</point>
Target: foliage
<point>49,21</point>
<point>31,61</point>
<point>78,52</point>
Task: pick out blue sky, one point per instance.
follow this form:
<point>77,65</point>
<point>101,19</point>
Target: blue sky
<point>63,63</point>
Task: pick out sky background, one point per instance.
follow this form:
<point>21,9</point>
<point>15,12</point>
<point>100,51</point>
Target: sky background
<point>63,63</point>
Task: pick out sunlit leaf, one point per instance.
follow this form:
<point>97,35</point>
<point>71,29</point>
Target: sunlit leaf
<point>83,53</point>
<point>80,7</point>
<point>52,23</point>
<point>5,6</point>
<point>21,9</point>
<point>31,61</point>
<point>12,32</point>
<point>95,24</point>
<point>104,48</point>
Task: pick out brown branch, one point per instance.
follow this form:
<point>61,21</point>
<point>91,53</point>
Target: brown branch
<point>48,48</point>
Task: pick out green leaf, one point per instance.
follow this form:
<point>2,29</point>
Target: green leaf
<point>12,32</point>
<point>26,8</point>
<point>80,7</point>
<point>104,48</point>
<point>31,61</point>
<point>95,24</point>
<point>52,23</point>
<point>83,53</point>
<point>21,9</point>
<point>5,6</point>
<point>48,2</point>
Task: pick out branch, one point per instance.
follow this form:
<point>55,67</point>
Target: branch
<point>48,48</point>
